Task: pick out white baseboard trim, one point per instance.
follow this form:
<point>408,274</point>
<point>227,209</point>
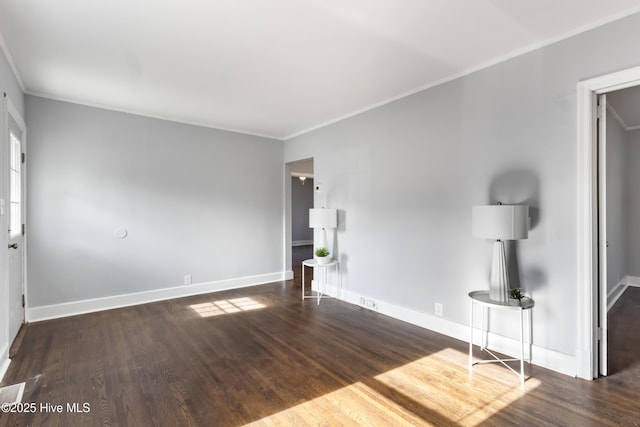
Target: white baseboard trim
<point>540,356</point>
<point>302,242</point>
<point>36,314</point>
<point>4,361</point>
<point>616,293</point>
<point>632,281</point>
<point>584,361</point>
<point>288,275</point>
<point>619,289</point>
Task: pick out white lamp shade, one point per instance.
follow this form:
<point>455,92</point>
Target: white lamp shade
<point>323,218</point>
<point>500,222</point>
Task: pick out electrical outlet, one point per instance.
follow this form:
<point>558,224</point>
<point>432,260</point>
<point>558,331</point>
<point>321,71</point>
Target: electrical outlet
<point>361,300</point>
<point>187,279</point>
<point>438,309</point>
<point>369,303</point>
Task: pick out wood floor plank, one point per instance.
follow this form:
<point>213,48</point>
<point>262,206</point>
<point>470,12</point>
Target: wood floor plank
<point>259,356</point>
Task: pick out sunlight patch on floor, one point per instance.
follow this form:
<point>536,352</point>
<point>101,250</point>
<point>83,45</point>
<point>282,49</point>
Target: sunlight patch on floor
<point>226,306</point>
<point>441,384</point>
<point>434,390</point>
<point>356,404</point>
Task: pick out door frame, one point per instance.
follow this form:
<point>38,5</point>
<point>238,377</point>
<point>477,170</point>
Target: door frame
<point>587,215</point>
<point>603,266</point>
<point>288,217</point>
<point>10,110</point>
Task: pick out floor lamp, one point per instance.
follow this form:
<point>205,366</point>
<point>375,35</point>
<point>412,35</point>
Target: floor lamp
<point>499,223</point>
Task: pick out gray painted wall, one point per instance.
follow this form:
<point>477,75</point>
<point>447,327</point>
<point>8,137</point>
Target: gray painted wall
<point>406,174</point>
<point>617,203</point>
<point>194,201</point>
<point>10,86</point>
<point>301,202</point>
<point>633,173</point>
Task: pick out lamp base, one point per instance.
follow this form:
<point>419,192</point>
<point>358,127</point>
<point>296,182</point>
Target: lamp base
<point>499,282</point>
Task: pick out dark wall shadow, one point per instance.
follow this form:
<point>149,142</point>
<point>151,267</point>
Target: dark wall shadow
<point>335,249</point>
<point>519,187</point>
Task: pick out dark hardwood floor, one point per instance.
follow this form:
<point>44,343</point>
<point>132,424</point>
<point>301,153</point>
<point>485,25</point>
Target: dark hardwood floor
<point>624,339</point>
<point>260,356</point>
<point>299,254</point>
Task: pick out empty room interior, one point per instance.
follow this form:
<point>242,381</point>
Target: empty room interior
<point>290,212</point>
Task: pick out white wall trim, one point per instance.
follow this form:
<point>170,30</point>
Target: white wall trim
<point>487,64</point>
<point>36,314</point>
<point>4,361</point>
<point>141,113</point>
<point>302,242</point>
<point>4,367</point>
<point>587,260</point>
<point>619,289</point>
<point>632,281</point>
<point>616,293</point>
<point>540,356</point>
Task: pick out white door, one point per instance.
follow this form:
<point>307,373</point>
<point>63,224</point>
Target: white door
<point>602,232</point>
<point>15,210</point>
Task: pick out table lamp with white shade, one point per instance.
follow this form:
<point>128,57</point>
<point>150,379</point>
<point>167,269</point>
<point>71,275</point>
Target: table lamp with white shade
<point>323,218</point>
<point>500,222</point>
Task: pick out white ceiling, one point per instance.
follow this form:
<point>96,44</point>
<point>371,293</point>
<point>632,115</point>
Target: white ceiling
<point>271,67</point>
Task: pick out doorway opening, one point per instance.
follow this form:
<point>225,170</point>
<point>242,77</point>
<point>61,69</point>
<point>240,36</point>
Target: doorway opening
<point>594,295</point>
<point>301,199</point>
<point>619,229</point>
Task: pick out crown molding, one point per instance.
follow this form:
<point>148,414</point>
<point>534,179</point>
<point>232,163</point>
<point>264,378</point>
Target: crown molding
<point>150,115</point>
<point>503,58</point>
